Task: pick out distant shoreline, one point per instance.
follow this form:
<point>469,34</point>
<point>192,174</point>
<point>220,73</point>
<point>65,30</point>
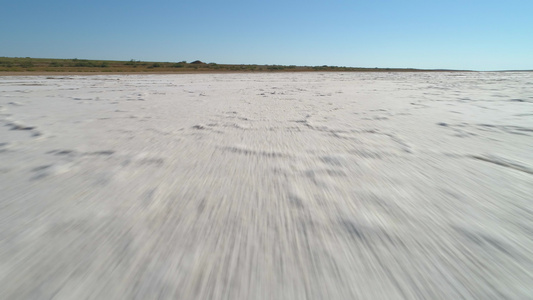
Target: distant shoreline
<point>18,66</point>
<point>41,73</point>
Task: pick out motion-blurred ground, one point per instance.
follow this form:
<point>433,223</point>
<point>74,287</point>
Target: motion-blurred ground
<point>267,186</point>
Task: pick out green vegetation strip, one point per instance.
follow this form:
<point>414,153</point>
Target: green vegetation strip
<point>27,64</point>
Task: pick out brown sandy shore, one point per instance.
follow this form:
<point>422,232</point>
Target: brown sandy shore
<point>43,73</point>
<point>123,73</point>
<point>382,185</point>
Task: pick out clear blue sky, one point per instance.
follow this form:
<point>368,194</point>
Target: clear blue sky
<point>480,35</point>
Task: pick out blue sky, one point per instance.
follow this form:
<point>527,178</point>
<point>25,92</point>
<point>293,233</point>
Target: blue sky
<point>479,35</point>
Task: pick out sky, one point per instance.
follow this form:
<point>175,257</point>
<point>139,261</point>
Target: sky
<point>466,34</point>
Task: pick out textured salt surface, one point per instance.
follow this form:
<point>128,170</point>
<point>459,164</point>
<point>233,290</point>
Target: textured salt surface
<point>267,186</point>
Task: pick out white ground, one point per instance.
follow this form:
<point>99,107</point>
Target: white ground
<point>267,186</point>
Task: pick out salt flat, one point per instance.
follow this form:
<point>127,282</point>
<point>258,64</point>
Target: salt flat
<point>267,186</point>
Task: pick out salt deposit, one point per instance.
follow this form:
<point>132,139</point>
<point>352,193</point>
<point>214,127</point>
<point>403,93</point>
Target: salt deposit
<point>267,186</point>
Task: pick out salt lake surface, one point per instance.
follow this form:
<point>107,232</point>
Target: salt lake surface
<point>267,186</point>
